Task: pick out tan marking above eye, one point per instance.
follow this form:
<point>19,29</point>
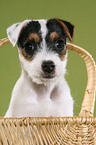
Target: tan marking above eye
<point>54,35</point>
<point>35,37</point>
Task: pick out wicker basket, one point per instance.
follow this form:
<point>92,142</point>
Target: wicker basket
<point>79,130</point>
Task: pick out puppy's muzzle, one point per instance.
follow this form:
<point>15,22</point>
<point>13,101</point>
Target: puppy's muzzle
<point>48,68</point>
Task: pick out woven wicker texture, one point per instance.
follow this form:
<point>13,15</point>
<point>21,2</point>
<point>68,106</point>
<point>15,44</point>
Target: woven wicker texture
<point>79,130</point>
<point>48,131</point>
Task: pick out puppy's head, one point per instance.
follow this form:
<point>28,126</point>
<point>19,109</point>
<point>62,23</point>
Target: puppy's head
<point>42,47</point>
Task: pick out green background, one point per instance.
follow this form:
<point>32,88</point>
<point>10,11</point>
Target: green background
<point>81,13</point>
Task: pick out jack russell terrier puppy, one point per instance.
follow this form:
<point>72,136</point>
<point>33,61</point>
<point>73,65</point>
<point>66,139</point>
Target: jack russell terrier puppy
<point>41,90</point>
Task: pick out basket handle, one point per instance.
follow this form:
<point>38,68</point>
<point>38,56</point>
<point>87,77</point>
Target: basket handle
<point>87,108</point>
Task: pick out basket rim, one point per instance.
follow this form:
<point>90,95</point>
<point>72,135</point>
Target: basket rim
<point>48,120</point>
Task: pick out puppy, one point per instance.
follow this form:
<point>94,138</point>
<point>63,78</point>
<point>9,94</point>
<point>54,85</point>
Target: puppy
<point>41,90</point>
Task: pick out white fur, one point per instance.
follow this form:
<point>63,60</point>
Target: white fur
<point>14,30</point>
<point>35,96</point>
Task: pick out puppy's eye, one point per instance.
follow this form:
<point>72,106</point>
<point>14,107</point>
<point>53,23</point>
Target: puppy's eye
<point>59,44</point>
<point>29,47</point>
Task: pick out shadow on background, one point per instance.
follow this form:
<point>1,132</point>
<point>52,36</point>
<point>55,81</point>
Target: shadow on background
<point>81,13</point>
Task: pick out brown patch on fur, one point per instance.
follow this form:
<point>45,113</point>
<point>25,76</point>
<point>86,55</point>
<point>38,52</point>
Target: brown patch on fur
<point>73,32</point>
<point>25,55</point>
<point>35,37</point>
<point>62,57</point>
<point>63,54</point>
<point>66,29</point>
<point>54,35</point>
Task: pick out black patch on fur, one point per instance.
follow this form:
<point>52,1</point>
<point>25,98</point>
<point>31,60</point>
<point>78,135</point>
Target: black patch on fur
<point>54,26</point>
<point>31,27</point>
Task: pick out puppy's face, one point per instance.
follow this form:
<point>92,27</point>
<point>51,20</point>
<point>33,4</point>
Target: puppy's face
<point>42,47</point>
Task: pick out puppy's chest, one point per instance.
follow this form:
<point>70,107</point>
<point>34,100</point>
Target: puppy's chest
<point>41,99</point>
<point>40,106</point>
<point>38,101</point>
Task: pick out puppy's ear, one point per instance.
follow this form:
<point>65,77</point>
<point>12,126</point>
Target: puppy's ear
<point>68,28</point>
<point>14,31</point>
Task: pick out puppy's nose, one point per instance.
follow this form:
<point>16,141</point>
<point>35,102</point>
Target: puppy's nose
<point>48,66</point>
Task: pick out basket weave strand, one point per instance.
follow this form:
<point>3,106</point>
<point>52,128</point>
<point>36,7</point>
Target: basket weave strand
<point>4,41</point>
<point>79,130</point>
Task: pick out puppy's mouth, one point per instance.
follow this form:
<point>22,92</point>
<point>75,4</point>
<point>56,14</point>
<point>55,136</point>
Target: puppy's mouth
<point>48,76</point>
<point>43,79</point>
